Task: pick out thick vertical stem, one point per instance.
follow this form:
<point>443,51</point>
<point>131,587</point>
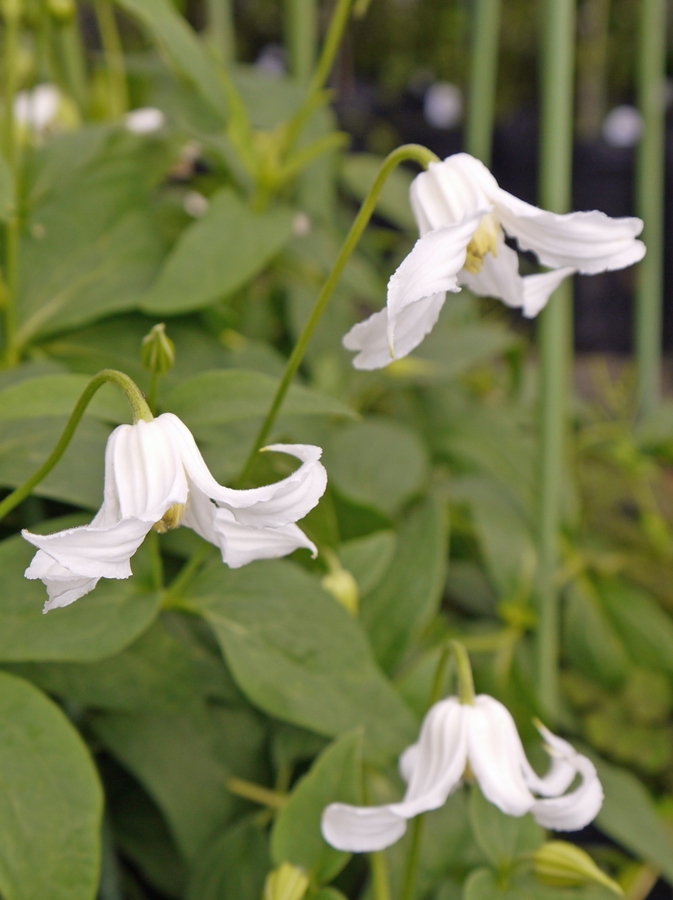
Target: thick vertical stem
<point>555,333</point>
<point>221,30</point>
<point>12,15</point>
<point>378,866</point>
<point>650,199</point>
<point>483,77</point>
<point>114,57</point>
<point>72,56</point>
<point>301,36</point>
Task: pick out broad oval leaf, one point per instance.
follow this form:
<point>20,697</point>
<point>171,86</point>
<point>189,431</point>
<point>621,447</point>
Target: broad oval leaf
<point>50,803</point>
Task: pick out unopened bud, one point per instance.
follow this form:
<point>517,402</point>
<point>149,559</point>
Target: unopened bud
<point>61,10</point>
<point>287,882</point>
<point>340,583</point>
<point>157,352</point>
<point>560,864</point>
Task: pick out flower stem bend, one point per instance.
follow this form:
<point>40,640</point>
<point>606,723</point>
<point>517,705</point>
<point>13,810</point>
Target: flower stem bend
<point>464,671</point>
<point>140,411</point>
<point>412,152</point>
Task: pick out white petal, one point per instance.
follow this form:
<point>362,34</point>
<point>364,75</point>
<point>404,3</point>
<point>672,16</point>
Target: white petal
<point>537,289</point>
<point>62,588</point>
<point>431,267</point>
<point>407,762</point>
<point>271,506</point>
<point>90,552</point>
<point>495,753</point>
<point>575,810</point>
<point>445,195</point>
<point>499,277</point>
<point>371,336</point>
<point>361,829</point>
<point>561,772</point>
<point>439,760</point>
<point>147,470</point>
<point>590,242</point>
<point>241,544</point>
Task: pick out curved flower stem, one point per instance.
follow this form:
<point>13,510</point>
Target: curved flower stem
<point>378,866</point>
<point>464,670</point>
<point>414,152</point>
<point>411,867</point>
<point>140,411</point>
<point>256,792</point>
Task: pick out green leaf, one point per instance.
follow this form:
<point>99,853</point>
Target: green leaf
<point>56,395</point>
<point>98,625</point>
<point>482,885</point>
<point>153,673</point>
<point>50,803</point>
<point>233,395</point>
<point>330,893</point>
<point>173,35</point>
<point>407,596</point>
<point>358,171</point>
<point>296,838</point>
<point>628,817</point>
<point>368,558</point>
<point>590,641</point>
<point>218,254</point>
<point>502,838</point>
<point>233,865</point>
<point>378,463</point>
<point>298,655</point>
<point>645,629</point>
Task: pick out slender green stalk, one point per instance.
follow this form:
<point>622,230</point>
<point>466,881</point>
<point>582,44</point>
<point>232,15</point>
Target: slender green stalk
<point>378,866</point>
<point>411,867</point>
<point>72,56</point>
<point>156,564</point>
<point>555,334</point>
<point>414,152</point>
<point>12,284</point>
<point>172,597</point>
<point>12,17</point>
<point>153,392</point>
<point>114,57</point>
<point>464,671</point>
<point>650,199</point>
<point>256,792</point>
<point>221,30</point>
<point>301,36</point>
<point>139,408</point>
<point>483,78</point>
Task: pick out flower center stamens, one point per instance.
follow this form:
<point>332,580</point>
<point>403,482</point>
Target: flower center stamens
<point>170,519</point>
<point>484,240</point>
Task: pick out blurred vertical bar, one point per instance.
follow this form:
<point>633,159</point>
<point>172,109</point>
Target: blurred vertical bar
<point>650,200</point>
<point>221,33</point>
<point>555,331</point>
<point>483,76</point>
<point>301,36</point>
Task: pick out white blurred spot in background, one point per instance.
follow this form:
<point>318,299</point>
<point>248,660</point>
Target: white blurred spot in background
<point>622,127</point>
<point>443,105</point>
<point>195,204</point>
<point>145,120</point>
<point>271,59</point>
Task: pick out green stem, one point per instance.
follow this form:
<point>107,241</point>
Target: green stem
<point>257,793</point>
<point>555,334</point>
<point>11,354</point>
<point>187,572</point>
<point>114,57</point>
<point>301,29</point>
<point>72,56</point>
<point>138,406</point>
<point>12,13</point>
<point>411,867</point>
<point>378,866</point>
<point>414,152</point>
<point>221,30</point>
<point>464,672</point>
<point>156,565</point>
<point>483,79</point>
<point>650,200</point>
<point>153,392</point>
<point>12,16</point>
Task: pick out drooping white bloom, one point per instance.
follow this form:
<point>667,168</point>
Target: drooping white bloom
<point>483,736</point>
<point>145,120</point>
<point>37,109</point>
<point>155,477</point>
<point>463,217</point>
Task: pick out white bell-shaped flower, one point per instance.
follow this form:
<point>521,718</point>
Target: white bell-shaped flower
<point>463,217</point>
<point>482,736</point>
<point>155,477</point>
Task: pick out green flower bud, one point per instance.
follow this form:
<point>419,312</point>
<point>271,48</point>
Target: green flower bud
<point>340,583</point>
<point>560,864</point>
<point>157,352</point>
<point>61,10</point>
<point>287,882</point>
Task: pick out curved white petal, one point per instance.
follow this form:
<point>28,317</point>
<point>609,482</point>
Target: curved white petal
<point>440,757</point>
<point>499,277</point>
<point>361,829</point>
<point>561,772</point>
<point>431,267</point>
<point>495,753</point>
<point>576,809</point>
<point>62,587</point>
<point>445,195</point>
<point>370,337</point>
<point>273,505</point>
<point>537,289</point>
<point>590,242</point>
<point>407,762</point>
<point>91,552</point>
<point>147,470</point>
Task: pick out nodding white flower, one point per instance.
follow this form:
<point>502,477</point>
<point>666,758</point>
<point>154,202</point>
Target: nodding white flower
<point>481,739</point>
<point>155,477</point>
<point>145,120</point>
<point>38,109</point>
<point>463,217</point>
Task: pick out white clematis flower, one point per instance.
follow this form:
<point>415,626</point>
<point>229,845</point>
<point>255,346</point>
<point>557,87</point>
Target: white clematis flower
<point>155,477</point>
<point>463,216</point>
<point>482,736</point>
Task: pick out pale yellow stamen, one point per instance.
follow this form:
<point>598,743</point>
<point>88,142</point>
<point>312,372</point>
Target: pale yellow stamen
<point>484,240</point>
<point>170,519</point>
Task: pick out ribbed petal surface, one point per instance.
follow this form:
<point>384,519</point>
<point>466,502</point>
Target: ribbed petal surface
<point>62,587</point>
<point>444,195</point>
<point>576,809</point>
<point>561,772</point>
<point>361,829</point>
